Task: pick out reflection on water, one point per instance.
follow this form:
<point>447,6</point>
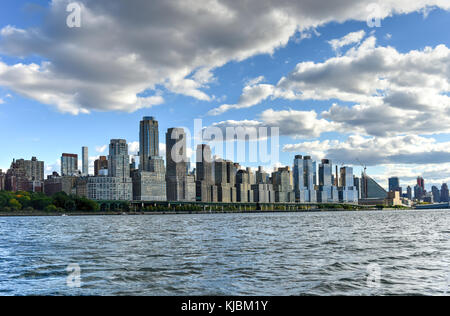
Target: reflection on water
<point>228,254</point>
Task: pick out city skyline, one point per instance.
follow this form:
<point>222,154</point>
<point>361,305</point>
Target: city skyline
<point>76,167</point>
<point>250,84</point>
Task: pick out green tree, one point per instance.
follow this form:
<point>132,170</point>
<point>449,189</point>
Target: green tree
<point>14,204</point>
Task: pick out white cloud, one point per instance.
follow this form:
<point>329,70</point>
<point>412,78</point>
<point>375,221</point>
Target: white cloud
<point>133,148</point>
<point>124,49</point>
<point>351,38</point>
<point>392,92</point>
<point>101,149</point>
<point>371,151</point>
<point>297,124</point>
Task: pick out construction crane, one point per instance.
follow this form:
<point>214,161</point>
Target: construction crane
<point>362,165</point>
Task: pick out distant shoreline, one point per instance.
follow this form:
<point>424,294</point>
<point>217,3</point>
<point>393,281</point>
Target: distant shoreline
<point>99,213</point>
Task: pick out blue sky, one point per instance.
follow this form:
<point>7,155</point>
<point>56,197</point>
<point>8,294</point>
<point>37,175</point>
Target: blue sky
<point>40,110</point>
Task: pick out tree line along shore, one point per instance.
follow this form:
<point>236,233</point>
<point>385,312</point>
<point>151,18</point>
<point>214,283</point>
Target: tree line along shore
<point>22,203</point>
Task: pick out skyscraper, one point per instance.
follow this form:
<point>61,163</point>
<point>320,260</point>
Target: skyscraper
<point>436,194</point>
<point>85,161</point>
<point>148,141</point>
<point>421,183</point>
<point>205,189</point>
<point>118,184</point>
<point>69,165</point>
<point>118,159</point>
<point>444,193</point>
<point>347,191</point>
<point>394,184</point>
<point>176,156</point>
<point>180,185</point>
<point>299,179</point>
<point>204,164</point>
<point>409,193</point>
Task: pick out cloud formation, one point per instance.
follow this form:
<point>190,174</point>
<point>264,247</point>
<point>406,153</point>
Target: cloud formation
<point>124,50</point>
<point>371,151</point>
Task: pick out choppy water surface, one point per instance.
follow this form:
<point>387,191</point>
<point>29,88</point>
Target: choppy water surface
<point>332,253</point>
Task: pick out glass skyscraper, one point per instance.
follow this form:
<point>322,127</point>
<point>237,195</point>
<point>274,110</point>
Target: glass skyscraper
<point>148,141</point>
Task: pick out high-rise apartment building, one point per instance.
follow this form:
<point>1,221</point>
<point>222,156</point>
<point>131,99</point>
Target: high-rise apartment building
<point>205,189</point>
<point>327,192</point>
<point>347,191</point>
<point>85,161</point>
<point>179,185</point>
<point>281,180</point>
<point>69,165</point>
<point>118,184</point>
<point>25,175</point>
<point>118,159</point>
<point>148,141</point>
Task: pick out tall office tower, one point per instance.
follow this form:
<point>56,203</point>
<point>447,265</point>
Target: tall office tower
<point>85,161</point>
<point>444,193</point>
<point>299,179</point>
<point>436,194</point>
<point>118,159</point>
<point>325,172</point>
<point>394,184</point>
<point>180,186</point>
<point>409,193</point>
<point>347,191</point>
<point>100,164</point>
<point>309,171</point>
<point>314,167</point>
<point>69,165</point>
<point>327,191</point>
<point>421,183</point>
<point>148,141</point>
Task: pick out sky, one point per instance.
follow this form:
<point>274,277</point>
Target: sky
<point>363,83</point>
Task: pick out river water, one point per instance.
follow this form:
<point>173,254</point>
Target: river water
<point>329,253</point>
